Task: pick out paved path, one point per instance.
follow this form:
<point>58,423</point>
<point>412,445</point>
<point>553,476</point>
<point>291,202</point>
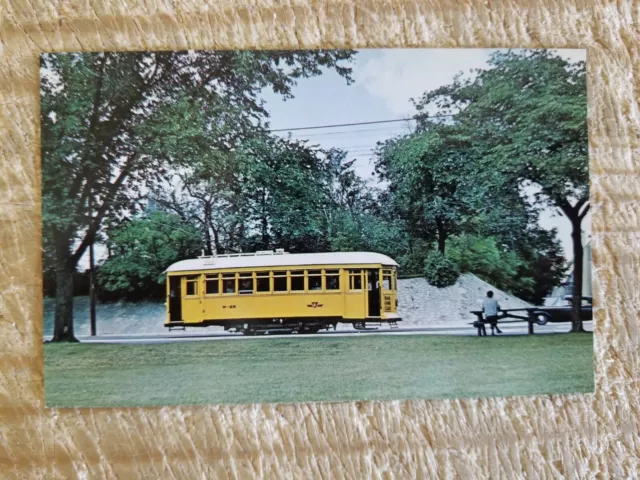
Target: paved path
<point>210,334</point>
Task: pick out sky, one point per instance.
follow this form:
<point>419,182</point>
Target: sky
<point>385,81</point>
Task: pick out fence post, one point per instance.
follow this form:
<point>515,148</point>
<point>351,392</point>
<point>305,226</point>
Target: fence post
<point>530,321</point>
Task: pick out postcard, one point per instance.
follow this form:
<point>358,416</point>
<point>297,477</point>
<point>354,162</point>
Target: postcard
<point>233,227</point>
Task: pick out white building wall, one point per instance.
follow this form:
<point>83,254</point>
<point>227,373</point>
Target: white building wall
<point>587,271</point>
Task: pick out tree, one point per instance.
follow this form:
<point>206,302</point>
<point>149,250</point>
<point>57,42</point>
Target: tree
<point>208,193</point>
<point>483,257</point>
<point>438,184</point>
<point>528,112</point>
<point>358,216</point>
<point>285,184</point>
<point>543,261</point>
<point>273,192</point>
<point>112,123</point>
<point>529,271</point>
<point>141,250</point>
<point>516,240</point>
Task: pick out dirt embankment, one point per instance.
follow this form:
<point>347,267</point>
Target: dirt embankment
<point>422,304</point>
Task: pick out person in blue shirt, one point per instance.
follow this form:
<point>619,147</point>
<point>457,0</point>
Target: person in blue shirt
<point>490,308</point>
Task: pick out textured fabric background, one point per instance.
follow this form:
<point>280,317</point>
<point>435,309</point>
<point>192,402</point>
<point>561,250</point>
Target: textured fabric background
<point>582,436</point>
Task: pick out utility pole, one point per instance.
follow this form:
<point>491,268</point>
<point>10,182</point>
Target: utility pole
<point>92,288</point>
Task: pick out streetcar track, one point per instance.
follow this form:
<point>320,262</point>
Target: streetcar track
<point>514,329</point>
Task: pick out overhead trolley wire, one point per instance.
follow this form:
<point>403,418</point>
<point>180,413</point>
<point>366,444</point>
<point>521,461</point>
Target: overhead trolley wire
<point>341,125</point>
<point>347,132</point>
<point>316,127</point>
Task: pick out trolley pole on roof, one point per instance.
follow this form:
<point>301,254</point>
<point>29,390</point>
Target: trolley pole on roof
<point>92,281</point>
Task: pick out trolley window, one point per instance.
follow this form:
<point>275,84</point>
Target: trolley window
<point>355,279</point>
<point>315,279</point>
<point>228,283</point>
<point>246,283</point>
<point>192,286</point>
<point>279,281</point>
<point>297,280</point>
<point>394,281</point>
<point>212,284</point>
<point>174,287</point>
<point>386,280</point>
<point>262,282</point>
<point>332,279</point>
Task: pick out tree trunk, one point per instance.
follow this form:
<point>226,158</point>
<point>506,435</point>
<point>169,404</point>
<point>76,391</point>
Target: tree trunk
<point>265,232</point>
<point>442,236</point>
<point>216,240</point>
<point>212,244</point>
<point>578,254</point>
<point>442,239</point>
<point>207,242</point>
<point>231,240</point>
<point>576,214</point>
<point>207,233</point>
<point>63,323</point>
<point>241,235</point>
<point>213,238</point>
<point>92,291</point>
<point>264,222</point>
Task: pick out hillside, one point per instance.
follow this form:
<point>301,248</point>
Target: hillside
<point>422,304</point>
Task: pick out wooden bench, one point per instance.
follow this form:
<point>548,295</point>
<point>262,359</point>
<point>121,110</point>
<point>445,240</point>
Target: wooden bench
<point>502,316</point>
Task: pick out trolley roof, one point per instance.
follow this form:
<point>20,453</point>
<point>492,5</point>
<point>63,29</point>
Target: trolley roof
<point>280,259</point>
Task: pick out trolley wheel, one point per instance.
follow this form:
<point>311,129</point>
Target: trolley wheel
<point>310,330</point>
<point>542,318</point>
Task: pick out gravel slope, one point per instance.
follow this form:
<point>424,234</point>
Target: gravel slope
<point>422,304</point>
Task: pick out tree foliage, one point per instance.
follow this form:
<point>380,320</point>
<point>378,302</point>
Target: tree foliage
<point>439,270</point>
<point>430,177</point>
<point>528,113</point>
<point>141,249</point>
<point>483,257</point>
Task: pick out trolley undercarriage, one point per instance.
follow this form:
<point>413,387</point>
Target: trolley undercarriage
<point>285,326</point>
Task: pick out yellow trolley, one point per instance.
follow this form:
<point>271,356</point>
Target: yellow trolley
<point>274,291</point>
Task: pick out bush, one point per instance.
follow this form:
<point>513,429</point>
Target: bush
<point>483,257</point>
<point>440,271</point>
<point>411,263</point>
<point>411,260</point>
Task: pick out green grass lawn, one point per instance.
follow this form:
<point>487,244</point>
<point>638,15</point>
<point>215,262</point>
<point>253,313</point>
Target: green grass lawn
<point>316,369</point>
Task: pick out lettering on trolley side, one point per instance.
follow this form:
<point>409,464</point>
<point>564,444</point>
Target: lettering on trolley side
<point>387,303</point>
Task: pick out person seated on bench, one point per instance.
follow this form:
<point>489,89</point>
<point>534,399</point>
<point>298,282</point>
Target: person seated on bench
<point>490,308</point>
